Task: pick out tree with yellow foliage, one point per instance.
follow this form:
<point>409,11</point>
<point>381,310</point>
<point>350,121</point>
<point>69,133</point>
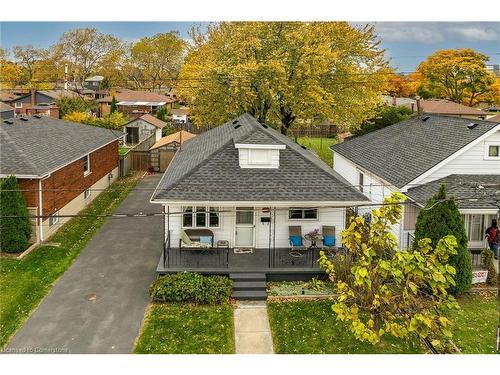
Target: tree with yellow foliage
<point>10,73</point>
<point>283,73</point>
<point>459,75</point>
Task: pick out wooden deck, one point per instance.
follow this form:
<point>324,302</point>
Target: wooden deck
<point>275,263</point>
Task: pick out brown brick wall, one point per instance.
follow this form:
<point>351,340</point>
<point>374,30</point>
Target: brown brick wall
<point>67,183</point>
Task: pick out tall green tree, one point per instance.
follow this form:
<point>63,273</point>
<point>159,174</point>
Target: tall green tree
<point>283,73</point>
<point>384,116</point>
<point>16,229</point>
<point>113,105</point>
<point>69,104</point>
<point>440,218</point>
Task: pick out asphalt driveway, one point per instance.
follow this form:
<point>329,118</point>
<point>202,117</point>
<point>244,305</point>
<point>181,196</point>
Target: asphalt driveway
<point>97,306</point>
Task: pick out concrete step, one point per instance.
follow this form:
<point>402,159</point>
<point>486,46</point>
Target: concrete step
<point>249,285</point>
<point>247,276</point>
<point>254,295</point>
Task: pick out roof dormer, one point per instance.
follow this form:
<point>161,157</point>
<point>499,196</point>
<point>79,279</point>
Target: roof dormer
<point>259,155</point>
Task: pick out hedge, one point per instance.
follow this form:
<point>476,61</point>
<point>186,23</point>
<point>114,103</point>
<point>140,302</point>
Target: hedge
<point>191,287</point>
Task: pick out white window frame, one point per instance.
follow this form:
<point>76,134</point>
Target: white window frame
<point>487,146</point>
<point>87,158</point>
<point>18,105</point>
<point>87,193</point>
<point>207,217</point>
<point>54,219</point>
<point>303,209</point>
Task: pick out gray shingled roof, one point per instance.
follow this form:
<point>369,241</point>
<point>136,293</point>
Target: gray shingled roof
<point>5,107</point>
<point>462,186</point>
<point>41,145</point>
<point>207,169</point>
<point>401,152</point>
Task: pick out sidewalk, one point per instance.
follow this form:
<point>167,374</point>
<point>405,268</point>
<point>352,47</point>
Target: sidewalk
<point>251,328</point>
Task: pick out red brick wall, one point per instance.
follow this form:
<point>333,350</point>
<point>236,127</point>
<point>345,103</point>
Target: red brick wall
<point>67,183</point>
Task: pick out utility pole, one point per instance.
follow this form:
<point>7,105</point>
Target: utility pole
<point>65,77</point>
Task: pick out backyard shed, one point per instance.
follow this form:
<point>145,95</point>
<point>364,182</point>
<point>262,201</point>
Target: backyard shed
<point>163,151</point>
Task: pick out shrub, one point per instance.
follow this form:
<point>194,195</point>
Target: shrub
<point>440,218</point>
<point>191,287</point>
<point>488,258</point>
<point>15,231</point>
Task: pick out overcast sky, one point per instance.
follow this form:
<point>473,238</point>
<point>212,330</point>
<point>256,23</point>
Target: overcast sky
<point>406,43</point>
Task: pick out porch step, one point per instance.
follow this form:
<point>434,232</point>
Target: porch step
<point>247,276</point>
<point>254,295</point>
<point>249,286</point>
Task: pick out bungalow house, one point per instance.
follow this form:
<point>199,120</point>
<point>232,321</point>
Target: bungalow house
<point>438,107</point>
<point>163,151</point>
<point>415,156</point>
<point>6,111</point>
<point>141,128</point>
<point>135,103</point>
<point>244,200</point>
<point>60,166</point>
<point>40,102</point>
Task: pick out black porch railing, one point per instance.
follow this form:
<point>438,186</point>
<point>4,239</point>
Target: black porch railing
<point>166,251</point>
<point>213,257</point>
<point>286,258</point>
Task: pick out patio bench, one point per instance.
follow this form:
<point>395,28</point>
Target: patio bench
<point>195,239</point>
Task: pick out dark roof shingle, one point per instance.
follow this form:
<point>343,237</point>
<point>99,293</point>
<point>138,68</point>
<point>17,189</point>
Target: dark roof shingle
<point>482,189</point>
<point>41,145</point>
<point>207,169</point>
<point>401,152</point>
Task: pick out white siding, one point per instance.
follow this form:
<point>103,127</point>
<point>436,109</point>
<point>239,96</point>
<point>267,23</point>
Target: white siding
<point>471,161</point>
<point>373,188</point>
<point>327,216</point>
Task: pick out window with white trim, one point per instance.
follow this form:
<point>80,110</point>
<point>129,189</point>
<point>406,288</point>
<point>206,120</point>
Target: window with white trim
<point>492,151</point>
<point>54,219</point>
<point>259,156</point>
<point>200,217</point>
<point>86,193</point>
<point>303,214</point>
<point>18,105</point>
<point>86,164</point>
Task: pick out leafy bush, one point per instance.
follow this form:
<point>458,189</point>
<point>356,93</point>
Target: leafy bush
<point>440,218</point>
<point>16,231</point>
<point>191,287</point>
<point>488,259</point>
<point>70,104</point>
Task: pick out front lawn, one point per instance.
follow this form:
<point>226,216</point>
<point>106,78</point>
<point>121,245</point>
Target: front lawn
<point>311,327</point>
<point>320,146</point>
<point>24,283</point>
<point>187,329</point>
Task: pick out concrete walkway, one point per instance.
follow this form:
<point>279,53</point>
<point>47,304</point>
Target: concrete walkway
<point>251,328</point>
<point>97,306</point>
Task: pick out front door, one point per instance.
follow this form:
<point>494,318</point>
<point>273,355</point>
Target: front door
<point>245,227</point>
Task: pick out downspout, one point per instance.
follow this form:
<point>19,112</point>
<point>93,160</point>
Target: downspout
<point>40,209</point>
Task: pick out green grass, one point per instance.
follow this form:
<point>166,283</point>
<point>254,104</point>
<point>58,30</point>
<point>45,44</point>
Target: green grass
<point>475,324</point>
<point>24,283</point>
<point>311,327</point>
<point>320,146</point>
<point>123,151</point>
<point>187,329</point>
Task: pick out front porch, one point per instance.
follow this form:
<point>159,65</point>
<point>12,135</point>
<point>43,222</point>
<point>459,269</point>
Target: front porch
<point>279,263</point>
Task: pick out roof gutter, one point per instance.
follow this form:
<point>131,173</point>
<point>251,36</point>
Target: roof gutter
<point>308,204</point>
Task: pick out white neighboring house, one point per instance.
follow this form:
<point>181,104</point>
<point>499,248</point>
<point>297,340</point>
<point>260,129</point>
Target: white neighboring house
<point>416,156</point>
<point>244,187</point>
<point>141,128</point>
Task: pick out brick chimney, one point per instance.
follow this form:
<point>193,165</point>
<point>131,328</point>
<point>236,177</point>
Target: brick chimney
<point>394,101</point>
<point>419,105</point>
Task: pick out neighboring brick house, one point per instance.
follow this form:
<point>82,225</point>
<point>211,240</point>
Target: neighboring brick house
<point>61,166</point>
<point>40,102</point>
<point>135,103</point>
